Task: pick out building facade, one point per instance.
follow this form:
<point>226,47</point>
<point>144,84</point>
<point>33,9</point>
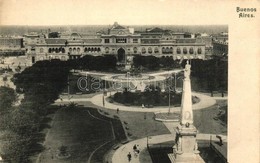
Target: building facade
<point>123,42</point>
<point>11,43</point>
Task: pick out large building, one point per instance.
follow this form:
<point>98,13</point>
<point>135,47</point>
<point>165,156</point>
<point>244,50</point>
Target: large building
<point>123,42</point>
<point>11,43</point>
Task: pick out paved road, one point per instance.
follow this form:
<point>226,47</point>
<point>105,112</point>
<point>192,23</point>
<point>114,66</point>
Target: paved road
<point>205,101</point>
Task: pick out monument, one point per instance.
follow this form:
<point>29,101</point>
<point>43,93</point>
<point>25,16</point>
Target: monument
<point>185,149</point>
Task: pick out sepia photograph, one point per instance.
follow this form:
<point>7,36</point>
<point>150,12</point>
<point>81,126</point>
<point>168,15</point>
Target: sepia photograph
<point>119,81</point>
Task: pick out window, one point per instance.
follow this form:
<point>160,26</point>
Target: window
<point>167,50</point>
<point>143,50</point>
<point>191,51</point>
<point>135,40</point>
<point>184,50</point>
<point>121,40</point>
<point>41,50</point>
<point>70,50</point>
<point>171,50</point>
<point>63,50</point>
<point>107,50</point>
<point>178,50</point>
<point>163,50</point>
<point>106,40</point>
<point>156,50</point>
<point>135,49</point>
<point>150,50</point>
<point>78,50</point>
<point>199,50</point>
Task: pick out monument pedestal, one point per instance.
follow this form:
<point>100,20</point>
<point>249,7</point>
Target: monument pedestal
<point>186,148</point>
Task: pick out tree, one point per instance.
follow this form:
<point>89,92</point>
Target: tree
<point>14,147</point>
<point>7,98</point>
<point>53,35</point>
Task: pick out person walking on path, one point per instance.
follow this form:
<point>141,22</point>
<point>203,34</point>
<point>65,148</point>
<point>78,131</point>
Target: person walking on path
<point>129,156</point>
<point>117,110</point>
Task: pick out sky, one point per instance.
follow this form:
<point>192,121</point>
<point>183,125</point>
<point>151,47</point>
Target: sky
<point>104,12</point>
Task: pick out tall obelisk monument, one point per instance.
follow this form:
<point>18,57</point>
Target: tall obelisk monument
<point>185,149</point>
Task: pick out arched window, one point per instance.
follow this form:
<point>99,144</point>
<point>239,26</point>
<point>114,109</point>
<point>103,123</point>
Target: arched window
<point>70,50</point>
<point>92,49</point>
<point>98,49</point>
<point>156,50</point>
<point>74,49</point>
<point>78,50</point>
<point>60,50</point>
<point>178,50</point>
<point>143,50</point>
<point>135,49</point>
<point>89,49</point>
<point>163,50</point>
<point>95,49</point>
<point>41,50</point>
<point>150,50</point>
<point>171,49</point>
<point>49,50</point>
<point>167,50</point>
<point>86,49</point>
<point>191,51</point>
<point>199,50</point>
<point>184,50</point>
<point>56,50</point>
<point>107,50</point>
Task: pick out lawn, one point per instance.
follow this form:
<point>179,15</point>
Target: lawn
<point>206,122</point>
<point>80,132</point>
<point>139,124</point>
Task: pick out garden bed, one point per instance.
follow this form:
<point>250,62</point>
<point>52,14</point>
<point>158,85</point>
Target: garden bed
<point>149,99</point>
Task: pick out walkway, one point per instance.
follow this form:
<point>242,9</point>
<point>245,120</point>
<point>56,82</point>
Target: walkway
<point>111,74</point>
<point>120,154</point>
<point>205,101</point>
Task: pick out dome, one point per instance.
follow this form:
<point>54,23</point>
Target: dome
<point>75,35</point>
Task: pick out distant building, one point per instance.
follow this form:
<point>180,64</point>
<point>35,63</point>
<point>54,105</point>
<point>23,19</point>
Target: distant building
<point>220,48</point>
<point>123,42</point>
<point>11,43</point>
<point>220,44</point>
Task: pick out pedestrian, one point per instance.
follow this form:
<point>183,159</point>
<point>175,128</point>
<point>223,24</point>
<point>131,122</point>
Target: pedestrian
<point>134,147</point>
<point>117,110</point>
<point>129,156</point>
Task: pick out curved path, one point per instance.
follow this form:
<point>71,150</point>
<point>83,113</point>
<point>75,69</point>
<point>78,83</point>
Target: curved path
<point>205,101</point>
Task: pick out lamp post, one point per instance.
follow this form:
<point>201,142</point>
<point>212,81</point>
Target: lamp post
<point>175,81</point>
<point>169,94</point>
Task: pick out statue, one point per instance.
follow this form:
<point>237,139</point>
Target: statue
<point>187,70</point>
